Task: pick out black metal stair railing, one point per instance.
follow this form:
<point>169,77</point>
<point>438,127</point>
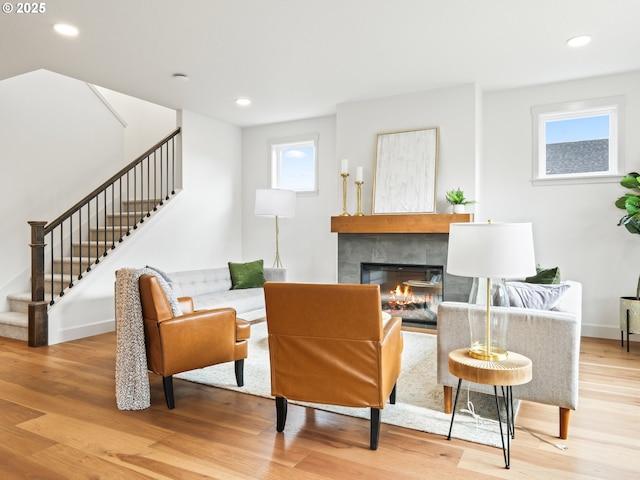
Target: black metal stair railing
<point>63,250</point>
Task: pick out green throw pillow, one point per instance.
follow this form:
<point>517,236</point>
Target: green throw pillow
<point>247,275</point>
<point>545,276</point>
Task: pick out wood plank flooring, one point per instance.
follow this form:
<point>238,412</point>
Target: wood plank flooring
<point>58,420</point>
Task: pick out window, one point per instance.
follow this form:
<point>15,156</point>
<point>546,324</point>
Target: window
<point>294,164</point>
<point>578,141</point>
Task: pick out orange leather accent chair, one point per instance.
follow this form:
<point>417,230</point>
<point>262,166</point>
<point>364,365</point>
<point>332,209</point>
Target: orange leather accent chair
<point>328,345</point>
<point>193,340</point>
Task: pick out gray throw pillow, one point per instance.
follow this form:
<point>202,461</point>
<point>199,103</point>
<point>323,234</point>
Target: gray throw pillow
<point>534,295</point>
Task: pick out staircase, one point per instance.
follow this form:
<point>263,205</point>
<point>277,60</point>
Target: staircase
<point>74,267</point>
<point>65,250</point>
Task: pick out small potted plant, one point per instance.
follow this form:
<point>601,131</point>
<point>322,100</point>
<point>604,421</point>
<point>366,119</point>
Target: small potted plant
<point>630,202</point>
<point>457,199</point>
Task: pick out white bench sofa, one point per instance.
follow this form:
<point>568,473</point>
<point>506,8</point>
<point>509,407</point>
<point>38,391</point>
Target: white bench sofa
<point>212,288</point>
<point>550,338</point>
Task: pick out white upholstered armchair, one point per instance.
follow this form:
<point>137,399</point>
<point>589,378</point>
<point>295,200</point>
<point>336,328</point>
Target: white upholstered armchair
<point>550,338</point>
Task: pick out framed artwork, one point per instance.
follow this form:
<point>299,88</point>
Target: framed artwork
<point>405,172</point>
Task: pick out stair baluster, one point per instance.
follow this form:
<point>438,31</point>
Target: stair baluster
<point>60,233</point>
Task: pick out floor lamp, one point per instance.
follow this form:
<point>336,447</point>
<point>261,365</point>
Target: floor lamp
<point>276,203</point>
<point>491,251</point>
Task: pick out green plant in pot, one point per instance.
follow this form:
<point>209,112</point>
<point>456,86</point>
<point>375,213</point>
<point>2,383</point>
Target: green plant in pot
<point>457,199</point>
<point>630,202</point>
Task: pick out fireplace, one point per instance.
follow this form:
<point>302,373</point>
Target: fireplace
<point>412,292</point>
<point>424,249</point>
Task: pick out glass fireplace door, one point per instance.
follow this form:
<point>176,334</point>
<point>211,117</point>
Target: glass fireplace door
<point>412,292</point>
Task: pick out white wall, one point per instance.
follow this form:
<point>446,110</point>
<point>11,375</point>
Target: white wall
<point>146,123</point>
<point>57,142</point>
<point>199,228</point>
<point>307,246</point>
<point>574,225</point>
<point>453,110</point>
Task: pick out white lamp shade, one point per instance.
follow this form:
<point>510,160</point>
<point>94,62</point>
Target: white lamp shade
<point>275,203</point>
<point>491,250</point>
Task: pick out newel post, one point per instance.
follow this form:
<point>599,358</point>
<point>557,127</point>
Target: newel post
<point>38,317</point>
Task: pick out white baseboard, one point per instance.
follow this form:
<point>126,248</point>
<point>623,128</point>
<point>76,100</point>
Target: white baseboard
<point>599,331</point>
<point>82,331</point>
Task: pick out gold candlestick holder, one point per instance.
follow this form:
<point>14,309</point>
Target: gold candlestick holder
<point>359,194</point>
<point>344,195</point>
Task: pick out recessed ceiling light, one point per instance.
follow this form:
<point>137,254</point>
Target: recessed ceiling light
<point>66,29</point>
<point>579,41</point>
<point>243,102</point>
<point>181,77</point>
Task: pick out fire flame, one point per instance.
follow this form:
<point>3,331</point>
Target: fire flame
<point>403,296</point>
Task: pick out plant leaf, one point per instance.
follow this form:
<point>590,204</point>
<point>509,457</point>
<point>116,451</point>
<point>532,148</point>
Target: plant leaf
<point>632,204</point>
<point>630,181</point>
<point>620,203</point>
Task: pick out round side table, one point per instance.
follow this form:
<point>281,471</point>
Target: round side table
<point>515,370</point>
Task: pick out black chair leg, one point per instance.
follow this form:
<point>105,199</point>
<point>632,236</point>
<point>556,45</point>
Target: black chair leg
<point>392,397</point>
<point>167,383</point>
<point>375,428</point>
<point>281,413</point>
<point>239,367</point>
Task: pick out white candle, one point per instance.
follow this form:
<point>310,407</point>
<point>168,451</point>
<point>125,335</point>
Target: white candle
<point>345,165</point>
<point>359,174</point>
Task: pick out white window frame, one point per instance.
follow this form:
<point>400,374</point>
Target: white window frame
<point>613,107</point>
<point>279,144</point>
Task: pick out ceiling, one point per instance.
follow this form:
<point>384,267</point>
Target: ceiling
<point>301,58</point>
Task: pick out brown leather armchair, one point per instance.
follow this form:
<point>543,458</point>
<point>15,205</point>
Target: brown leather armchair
<point>328,345</point>
<point>193,340</point>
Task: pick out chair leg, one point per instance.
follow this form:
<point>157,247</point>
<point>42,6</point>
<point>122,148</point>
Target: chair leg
<point>564,422</point>
<point>239,367</point>
<point>281,413</point>
<point>167,383</point>
<point>392,397</point>
<point>448,397</point>
<point>375,428</point>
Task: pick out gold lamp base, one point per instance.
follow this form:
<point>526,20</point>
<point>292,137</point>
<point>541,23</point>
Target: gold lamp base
<point>479,352</point>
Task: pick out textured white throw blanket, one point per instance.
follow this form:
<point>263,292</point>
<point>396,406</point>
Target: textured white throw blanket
<point>132,380</point>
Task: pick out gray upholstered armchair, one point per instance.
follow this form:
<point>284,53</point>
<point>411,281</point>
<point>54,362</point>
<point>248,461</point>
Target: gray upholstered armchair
<point>550,338</point>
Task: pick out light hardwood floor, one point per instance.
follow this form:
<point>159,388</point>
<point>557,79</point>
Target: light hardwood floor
<point>58,420</point>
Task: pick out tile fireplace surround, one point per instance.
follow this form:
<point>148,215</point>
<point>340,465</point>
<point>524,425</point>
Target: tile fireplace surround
<point>400,239</point>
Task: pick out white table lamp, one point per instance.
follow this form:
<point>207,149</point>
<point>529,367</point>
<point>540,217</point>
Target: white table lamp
<point>276,203</point>
<point>491,251</point>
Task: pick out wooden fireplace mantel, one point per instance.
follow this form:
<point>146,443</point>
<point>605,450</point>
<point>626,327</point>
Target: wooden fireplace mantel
<point>410,223</point>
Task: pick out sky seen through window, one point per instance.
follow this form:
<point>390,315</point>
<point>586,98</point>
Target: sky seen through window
<point>577,129</point>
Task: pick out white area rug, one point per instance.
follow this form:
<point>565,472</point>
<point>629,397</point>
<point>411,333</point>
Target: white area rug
<point>419,399</point>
